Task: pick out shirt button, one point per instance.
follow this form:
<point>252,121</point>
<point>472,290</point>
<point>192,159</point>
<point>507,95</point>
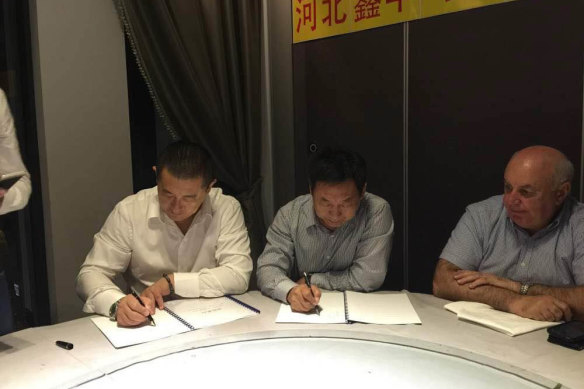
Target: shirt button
<point>522,264</point>
<point>328,257</point>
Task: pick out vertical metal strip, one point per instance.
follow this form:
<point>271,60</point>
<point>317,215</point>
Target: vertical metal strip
<point>406,31</point>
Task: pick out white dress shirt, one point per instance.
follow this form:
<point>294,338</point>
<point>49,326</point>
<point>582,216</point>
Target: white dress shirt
<point>141,242</point>
<point>10,161</point>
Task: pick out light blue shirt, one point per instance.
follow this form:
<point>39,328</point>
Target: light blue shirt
<point>353,257</point>
<point>486,240</point>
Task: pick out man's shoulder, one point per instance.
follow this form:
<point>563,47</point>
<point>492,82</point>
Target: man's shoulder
<point>575,211</point>
<point>221,201</point>
<point>139,202</point>
<point>493,204</point>
<point>374,201</point>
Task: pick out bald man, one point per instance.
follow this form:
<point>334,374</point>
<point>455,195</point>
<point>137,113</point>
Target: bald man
<point>523,251</point>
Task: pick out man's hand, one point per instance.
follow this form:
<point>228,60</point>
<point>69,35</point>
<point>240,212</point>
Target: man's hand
<point>131,313</point>
<point>543,308</point>
<point>302,298</point>
<point>475,279</point>
<point>158,290</point>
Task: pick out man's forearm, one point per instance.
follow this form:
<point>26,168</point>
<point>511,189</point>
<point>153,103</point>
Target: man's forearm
<point>445,286</point>
<point>573,296</point>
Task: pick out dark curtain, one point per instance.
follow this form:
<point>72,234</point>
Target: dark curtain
<point>201,62</point>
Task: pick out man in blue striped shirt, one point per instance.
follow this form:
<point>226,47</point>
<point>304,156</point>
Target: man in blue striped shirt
<point>523,251</point>
<point>339,234</point>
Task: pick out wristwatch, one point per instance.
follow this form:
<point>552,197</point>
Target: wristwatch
<point>524,289</point>
<point>113,311</point>
<point>170,285</point>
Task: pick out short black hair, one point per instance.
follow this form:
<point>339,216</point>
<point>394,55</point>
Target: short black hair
<point>334,165</point>
<point>186,160</point>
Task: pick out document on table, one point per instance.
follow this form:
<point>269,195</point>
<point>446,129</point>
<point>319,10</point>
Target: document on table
<point>177,317</point>
<point>505,322</point>
<point>349,306</point>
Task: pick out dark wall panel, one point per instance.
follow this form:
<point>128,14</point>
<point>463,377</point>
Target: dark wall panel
<point>483,84</point>
<point>348,91</point>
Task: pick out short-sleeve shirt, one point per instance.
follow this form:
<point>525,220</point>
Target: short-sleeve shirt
<point>486,240</point>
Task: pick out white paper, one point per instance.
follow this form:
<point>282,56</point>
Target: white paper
<point>505,322</point>
<point>199,313</point>
<point>166,325</point>
<point>333,311</point>
<point>374,308</point>
<point>381,308</point>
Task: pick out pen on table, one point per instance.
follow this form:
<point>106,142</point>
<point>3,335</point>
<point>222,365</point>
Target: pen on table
<point>317,308</point>
<point>65,345</point>
<point>150,319</point>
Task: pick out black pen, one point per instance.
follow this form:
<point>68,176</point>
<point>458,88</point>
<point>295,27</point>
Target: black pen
<point>65,345</point>
<point>150,319</point>
<point>317,308</point>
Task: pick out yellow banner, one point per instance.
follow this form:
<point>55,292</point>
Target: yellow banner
<point>314,19</point>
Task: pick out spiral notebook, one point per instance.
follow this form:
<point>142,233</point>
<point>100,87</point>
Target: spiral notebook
<point>349,306</point>
<point>178,316</point>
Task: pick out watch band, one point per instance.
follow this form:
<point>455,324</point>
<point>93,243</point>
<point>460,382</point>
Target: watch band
<point>170,286</point>
<point>524,289</point>
<point>113,311</point>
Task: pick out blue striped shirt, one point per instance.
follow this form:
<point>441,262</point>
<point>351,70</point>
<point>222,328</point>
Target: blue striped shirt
<point>353,257</point>
<point>486,240</point>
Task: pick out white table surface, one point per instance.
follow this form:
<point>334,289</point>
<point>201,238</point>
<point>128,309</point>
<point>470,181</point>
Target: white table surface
<point>30,358</point>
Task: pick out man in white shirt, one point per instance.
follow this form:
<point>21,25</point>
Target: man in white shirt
<point>17,196</point>
<point>181,237</point>
<point>13,199</point>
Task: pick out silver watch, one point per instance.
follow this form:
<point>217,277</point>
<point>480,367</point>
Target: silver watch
<point>524,289</point>
<point>113,311</point>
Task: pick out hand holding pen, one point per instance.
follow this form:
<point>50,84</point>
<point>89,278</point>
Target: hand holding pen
<point>317,307</point>
<point>150,319</point>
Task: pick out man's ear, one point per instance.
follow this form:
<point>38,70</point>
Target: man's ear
<point>211,185</point>
<point>562,192</point>
<point>364,189</point>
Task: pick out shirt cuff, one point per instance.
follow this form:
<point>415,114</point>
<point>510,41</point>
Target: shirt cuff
<point>187,284</point>
<point>281,290</point>
<point>101,303</point>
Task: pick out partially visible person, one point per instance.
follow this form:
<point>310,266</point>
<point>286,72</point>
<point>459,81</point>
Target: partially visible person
<point>339,234</point>
<point>181,237</point>
<point>17,196</point>
<point>11,200</point>
<point>523,251</point>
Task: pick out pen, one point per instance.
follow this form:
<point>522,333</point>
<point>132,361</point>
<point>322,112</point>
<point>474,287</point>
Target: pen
<point>150,319</point>
<point>65,345</point>
<point>317,308</point>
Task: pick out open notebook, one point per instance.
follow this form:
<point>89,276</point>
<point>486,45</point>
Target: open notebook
<point>349,306</point>
<point>177,317</point>
<point>505,322</point>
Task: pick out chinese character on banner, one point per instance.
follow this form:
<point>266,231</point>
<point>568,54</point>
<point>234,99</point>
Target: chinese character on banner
<point>399,4</point>
<point>366,9</point>
<point>328,19</point>
<point>307,14</point>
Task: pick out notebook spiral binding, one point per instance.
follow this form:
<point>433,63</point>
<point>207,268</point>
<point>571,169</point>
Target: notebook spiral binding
<point>177,317</point>
<point>346,307</point>
<point>238,301</point>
